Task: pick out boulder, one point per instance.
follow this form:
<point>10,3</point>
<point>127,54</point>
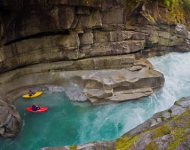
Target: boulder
<point>108,86</point>
<point>10,120</point>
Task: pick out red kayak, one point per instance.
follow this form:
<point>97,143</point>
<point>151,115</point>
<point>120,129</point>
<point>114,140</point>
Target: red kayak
<point>42,109</point>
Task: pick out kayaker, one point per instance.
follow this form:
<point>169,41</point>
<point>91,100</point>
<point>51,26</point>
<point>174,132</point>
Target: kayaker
<point>31,92</point>
<point>35,107</point>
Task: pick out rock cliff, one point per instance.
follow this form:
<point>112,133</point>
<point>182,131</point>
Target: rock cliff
<point>53,42</point>
<point>39,31</point>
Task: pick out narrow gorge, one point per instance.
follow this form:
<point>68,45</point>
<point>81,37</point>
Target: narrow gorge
<point>99,46</point>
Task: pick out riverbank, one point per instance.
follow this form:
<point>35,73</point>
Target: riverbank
<point>168,129</point>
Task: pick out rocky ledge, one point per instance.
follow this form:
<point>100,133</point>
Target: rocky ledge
<point>168,129</point>
<point>108,86</point>
<point>54,43</point>
<point>136,79</point>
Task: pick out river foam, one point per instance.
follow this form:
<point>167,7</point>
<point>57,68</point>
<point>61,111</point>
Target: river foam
<point>68,122</point>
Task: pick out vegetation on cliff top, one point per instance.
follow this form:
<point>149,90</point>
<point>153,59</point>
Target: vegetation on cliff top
<point>166,11</point>
<point>183,4</point>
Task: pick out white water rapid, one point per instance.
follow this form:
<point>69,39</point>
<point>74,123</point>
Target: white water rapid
<point>69,122</point>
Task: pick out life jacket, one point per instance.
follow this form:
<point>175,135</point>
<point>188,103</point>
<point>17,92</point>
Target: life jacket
<point>34,108</point>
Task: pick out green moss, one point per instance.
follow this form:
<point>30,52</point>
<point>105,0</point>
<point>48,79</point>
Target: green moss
<point>73,147</point>
<point>168,3</point>
<point>123,143</point>
<point>151,18</point>
<point>174,12</point>
<point>176,142</point>
<point>178,132</point>
<point>151,146</point>
<point>185,5</point>
<point>161,131</point>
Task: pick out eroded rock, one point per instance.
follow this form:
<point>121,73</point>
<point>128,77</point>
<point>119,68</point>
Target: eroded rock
<point>9,120</point>
<point>122,85</point>
<point>100,81</point>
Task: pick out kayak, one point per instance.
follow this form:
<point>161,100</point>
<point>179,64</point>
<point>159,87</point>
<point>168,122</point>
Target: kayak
<point>42,109</point>
<point>34,95</point>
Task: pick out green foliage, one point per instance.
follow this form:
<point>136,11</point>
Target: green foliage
<point>168,3</point>
<point>123,143</point>
<point>160,131</point>
<point>151,18</point>
<point>73,147</point>
<point>151,146</point>
<point>185,5</point>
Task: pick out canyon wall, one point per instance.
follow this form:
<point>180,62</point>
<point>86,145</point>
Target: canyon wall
<point>47,42</point>
<point>39,31</point>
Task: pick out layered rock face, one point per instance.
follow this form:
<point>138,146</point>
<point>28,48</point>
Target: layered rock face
<point>33,32</point>
<point>51,42</point>
<point>120,85</point>
<point>136,80</point>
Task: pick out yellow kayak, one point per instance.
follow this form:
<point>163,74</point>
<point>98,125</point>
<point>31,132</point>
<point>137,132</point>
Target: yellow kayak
<point>34,95</point>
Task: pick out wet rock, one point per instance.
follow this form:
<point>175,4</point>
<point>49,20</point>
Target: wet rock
<point>10,120</point>
<point>183,102</point>
<point>159,120</point>
<point>166,115</point>
<point>176,110</point>
<point>162,115</point>
<point>147,124</point>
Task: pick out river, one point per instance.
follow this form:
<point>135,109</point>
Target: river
<point>68,122</point>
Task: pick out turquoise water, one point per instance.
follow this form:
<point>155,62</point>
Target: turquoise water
<point>67,122</point>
